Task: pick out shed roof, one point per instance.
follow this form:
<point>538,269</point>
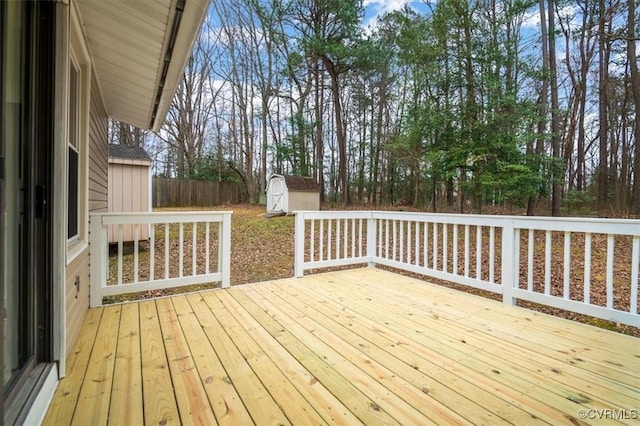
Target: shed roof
<point>128,152</point>
<point>301,183</point>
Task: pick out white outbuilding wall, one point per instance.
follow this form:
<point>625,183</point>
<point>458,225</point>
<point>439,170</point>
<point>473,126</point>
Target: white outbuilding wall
<point>129,187</point>
<point>286,194</point>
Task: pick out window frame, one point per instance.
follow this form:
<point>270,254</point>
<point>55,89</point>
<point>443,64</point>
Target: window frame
<point>79,59</point>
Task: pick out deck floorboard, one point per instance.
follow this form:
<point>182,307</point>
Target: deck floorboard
<point>363,346</point>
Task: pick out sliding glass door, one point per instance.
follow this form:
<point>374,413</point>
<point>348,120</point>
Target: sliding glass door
<point>25,171</point>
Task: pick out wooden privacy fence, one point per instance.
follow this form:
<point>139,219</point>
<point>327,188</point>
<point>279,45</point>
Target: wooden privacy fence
<point>193,193</point>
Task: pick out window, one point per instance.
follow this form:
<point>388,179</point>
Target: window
<point>72,160</point>
<point>78,91</point>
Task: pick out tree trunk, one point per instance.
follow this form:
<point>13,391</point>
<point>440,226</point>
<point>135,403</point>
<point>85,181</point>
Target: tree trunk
<point>603,131</point>
<point>340,132</point>
<point>319,97</point>
<point>558,173</point>
<point>635,87</point>
<point>542,102</point>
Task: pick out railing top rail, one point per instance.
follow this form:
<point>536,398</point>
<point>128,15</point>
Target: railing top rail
<point>332,214</point>
<point>166,213</point>
<point>573,224</point>
<point>160,217</point>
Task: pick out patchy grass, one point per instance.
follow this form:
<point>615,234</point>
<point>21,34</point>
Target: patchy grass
<point>261,248</point>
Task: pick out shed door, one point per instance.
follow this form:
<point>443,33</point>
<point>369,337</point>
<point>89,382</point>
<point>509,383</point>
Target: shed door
<point>277,195</point>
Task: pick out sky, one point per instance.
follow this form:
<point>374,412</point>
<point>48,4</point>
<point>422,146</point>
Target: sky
<point>374,9</point>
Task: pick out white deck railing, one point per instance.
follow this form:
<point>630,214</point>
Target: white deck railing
<point>587,266</point>
<point>177,249</point>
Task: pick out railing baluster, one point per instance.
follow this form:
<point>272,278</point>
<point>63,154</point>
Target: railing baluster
<point>181,250</point>
<point>379,242</point>
<point>136,263</point>
<point>329,239</point>
<point>467,255</point>
<point>401,241</point>
<point>120,251</point>
<point>531,246</point>
<point>386,236</point>
<point>409,240</point>
<point>635,261</point>
<point>360,238</point>
<point>455,249</point>
<point>167,237</point>
<point>445,247</point>
<point>312,240</point>
<point>321,236</point>
<point>300,223</point>
<point>492,254</point>
<point>220,252</point>
<point>610,250</point>
<point>416,260</point>
<point>516,255</point>
<point>478,252</point>
<point>207,254</point>
<point>353,237</point>
<point>566,287</point>
<point>435,246</point>
<point>425,245</point>
<point>337,238</point>
<point>587,267</point>
<point>547,263</point>
<point>395,239</point>
<point>345,245</point>
<point>152,252</point>
<point>194,242</point>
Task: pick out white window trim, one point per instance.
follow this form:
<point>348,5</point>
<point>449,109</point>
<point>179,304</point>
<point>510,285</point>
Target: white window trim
<point>79,54</point>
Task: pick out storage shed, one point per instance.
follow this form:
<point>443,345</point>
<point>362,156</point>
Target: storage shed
<point>129,186</point>
<point>286,194</point>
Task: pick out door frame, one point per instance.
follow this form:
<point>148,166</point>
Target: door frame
<point>37,284</point>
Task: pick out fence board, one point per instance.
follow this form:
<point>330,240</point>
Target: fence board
<point>193,193</point>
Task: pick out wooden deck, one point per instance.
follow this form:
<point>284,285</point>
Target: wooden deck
<point>359,346</point>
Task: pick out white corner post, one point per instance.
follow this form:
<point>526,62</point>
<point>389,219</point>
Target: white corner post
<point>371,241</point>
<point>508,278</point>
<point>225,251</point>
<point>99,259</point>
<point>298,257</point>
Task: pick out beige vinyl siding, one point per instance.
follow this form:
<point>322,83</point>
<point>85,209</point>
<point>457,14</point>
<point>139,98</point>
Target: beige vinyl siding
<point>77,299</point>
<point>98,154</point>
<point>303,200</point>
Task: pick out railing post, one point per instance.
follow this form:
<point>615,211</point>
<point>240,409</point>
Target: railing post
<point>371,240</point>
<point>298,270</point>
<point>508,259</point>
<point>99,260</point>
<point>225,250</point>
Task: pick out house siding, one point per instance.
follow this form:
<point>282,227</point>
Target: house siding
<point>98,152</point>
<point>77,298</point>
